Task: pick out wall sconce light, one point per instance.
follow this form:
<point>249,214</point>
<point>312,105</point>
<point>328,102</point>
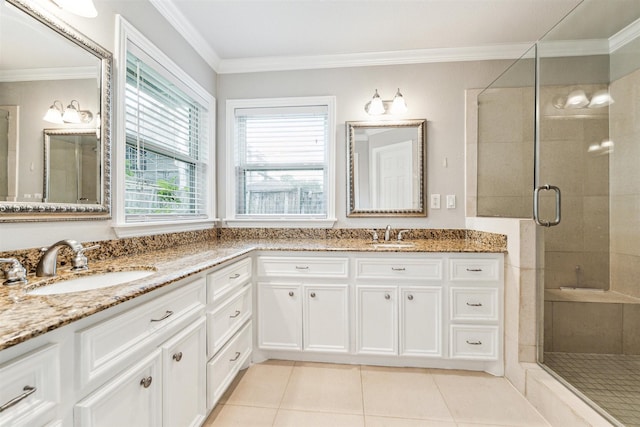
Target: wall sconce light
<point>84,8</point>
<point>377,106</point>
<point>578,99</point>
<point>71,114</point>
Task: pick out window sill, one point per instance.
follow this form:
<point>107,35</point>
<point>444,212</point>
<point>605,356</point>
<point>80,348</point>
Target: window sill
<point>150,228</point>
<point>280,223</point>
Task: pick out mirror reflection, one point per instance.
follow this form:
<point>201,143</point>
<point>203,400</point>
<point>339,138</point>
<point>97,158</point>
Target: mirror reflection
<point>45,63</point>
<point>386,162</point>
<point>72,166</point>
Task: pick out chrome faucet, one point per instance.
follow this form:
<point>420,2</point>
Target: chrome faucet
<point>49,261</point>
<point>14,275</point>
<point>387,233</point>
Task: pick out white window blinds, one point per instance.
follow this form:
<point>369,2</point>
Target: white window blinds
<point>281,161</point>
<point>165,159</point>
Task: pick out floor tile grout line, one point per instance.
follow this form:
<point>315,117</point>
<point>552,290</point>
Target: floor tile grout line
<point>284,392</point>
<point>444,399</point>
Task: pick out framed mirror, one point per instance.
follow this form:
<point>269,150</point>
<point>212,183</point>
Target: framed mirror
<point>71,166</point>
<point>386,168</point>
<point>47,65</point>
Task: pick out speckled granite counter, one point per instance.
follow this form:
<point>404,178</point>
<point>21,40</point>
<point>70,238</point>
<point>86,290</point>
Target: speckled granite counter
<point>18,322</point>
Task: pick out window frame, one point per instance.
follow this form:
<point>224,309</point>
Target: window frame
<point>231,218</point>
<point>127,34</point>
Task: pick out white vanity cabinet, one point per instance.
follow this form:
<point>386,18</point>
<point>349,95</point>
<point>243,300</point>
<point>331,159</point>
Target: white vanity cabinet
<point>229,331</point>
<point>399,303</point>
<point>165,339</point>
<point>303,303</point>
<point>30,388</point>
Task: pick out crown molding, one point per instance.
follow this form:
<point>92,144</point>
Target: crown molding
<point>563,48</point>
<point>37,74</point>
<point>628,34</point>
<point>421,56</point>
<point>172,14</point>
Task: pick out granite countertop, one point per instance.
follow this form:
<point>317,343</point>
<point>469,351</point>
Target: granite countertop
<point>18,322</point>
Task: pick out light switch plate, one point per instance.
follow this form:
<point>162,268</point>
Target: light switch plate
<point>435,201</point>
<point>451,201</point>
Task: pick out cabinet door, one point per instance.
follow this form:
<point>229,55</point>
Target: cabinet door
<point>377,317</point>
<point>183,373</point>
<point>133,398</point>
<point>326,318</point>
<point>279,316</point>
<point>420,321</point>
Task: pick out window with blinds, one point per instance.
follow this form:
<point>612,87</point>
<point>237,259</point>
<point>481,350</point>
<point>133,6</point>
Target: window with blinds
<point>281,162</point>
<point>166,148</point>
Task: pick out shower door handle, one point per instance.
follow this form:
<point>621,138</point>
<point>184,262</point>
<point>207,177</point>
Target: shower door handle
<point>536,205</point>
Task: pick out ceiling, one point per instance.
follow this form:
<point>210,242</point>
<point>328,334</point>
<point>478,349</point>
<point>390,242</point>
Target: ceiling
<point>246,32</point>
<point>257,35</point>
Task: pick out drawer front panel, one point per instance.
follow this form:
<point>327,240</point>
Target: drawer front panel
<point>474,304</point>
<point>303,267</point>
<point>225,321</point>
<point>227,280</point>
<point>474,342</point>
<point>475,269</point>
<point>423,269</point>
<point>30,388</point>
<point>104,346</point>
<point>222,369</point>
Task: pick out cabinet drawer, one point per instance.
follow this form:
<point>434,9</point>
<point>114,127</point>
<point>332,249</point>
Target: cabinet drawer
<point>475,269</point>
<point>222,369</point>
<point>107,345</point>
<point>424,269</point>
<point>473,304</point>
<point>225,321</point>
<point>227,280</point>
<point>474,342</point>
<point>30,388</point>
<point>303,267</point>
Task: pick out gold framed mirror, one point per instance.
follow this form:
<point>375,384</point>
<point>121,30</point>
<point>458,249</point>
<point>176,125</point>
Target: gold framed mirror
<point>387,169</point>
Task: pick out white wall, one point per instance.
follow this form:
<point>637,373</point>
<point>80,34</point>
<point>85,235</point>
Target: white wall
<point>432,91</point>
<point>146,19</point>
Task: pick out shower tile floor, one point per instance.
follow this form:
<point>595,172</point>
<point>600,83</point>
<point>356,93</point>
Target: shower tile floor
<point>611,381</point>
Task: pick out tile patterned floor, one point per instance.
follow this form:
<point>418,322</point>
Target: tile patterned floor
<point>295,394</point>
<point>611,381</point>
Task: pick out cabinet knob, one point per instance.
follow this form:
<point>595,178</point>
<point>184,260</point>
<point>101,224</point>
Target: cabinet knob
<point>410,297</point>
<point>234,315</point>
<point>177,357</point>
<point>236,357</point>
<point>313,294</point>
<point>474,270</point>
<point>387,296</point>
<point>474,304</point>
<point>166,314</point>
<point>478,342</point>
<point>235,276</point>
<point>146,382</point>
<point>291,293</point>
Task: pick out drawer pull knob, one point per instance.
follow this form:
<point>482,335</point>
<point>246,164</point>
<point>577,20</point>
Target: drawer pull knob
<point>474,342</point>
<point>398,268</point>
<point>167,314</point>
<point>236,357</point>
<point>410,297</point>
<point>236,314</point>
<point>235,276</point>
<point>146,382</point>
<point>474,304</point>
<point>291,293</point>
<point>28,391</point>
<point>301,267</point>
<point>387,296</point>
<point>177,357</point>
<point>474,270</point>
<point>313,294</point>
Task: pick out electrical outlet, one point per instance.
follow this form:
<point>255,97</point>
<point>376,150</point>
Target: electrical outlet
<point>435,201</point>
<point>451,201</point>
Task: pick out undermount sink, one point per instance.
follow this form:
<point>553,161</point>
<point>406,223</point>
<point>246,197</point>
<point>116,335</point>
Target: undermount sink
<point>90,282</point>
<point>392,245</point>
